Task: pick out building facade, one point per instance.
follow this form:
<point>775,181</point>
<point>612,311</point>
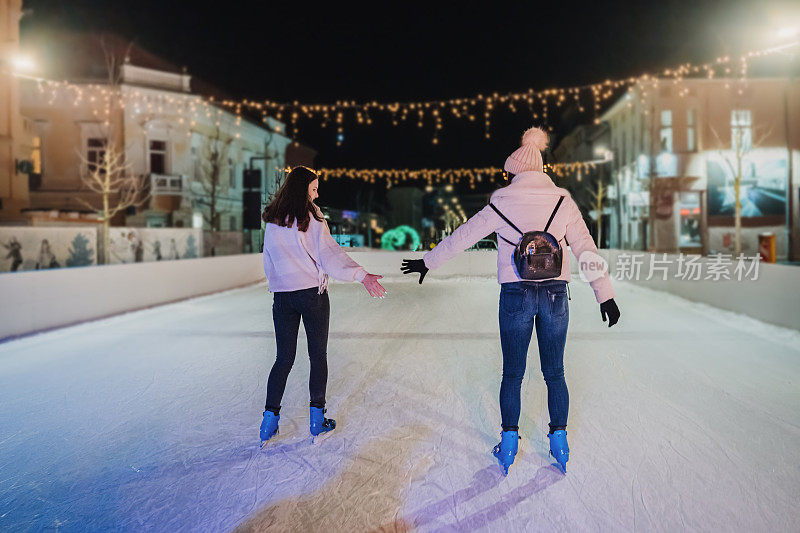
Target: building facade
<point>678,147</point>
<point>189,154</point>
<point>16,140</point>
<point>589,142</point>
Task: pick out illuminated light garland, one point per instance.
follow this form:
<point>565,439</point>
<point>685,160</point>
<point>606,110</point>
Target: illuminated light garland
<point>144,104</point>
<point>437,176</point>
<point>538,102</point>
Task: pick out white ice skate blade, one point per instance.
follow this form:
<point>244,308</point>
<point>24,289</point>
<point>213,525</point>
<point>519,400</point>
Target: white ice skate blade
<point>264,443</point>
<point>321,437</point>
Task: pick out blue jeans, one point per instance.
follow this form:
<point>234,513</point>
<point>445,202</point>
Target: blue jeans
<point>287,310</point>
<point>522,304</point>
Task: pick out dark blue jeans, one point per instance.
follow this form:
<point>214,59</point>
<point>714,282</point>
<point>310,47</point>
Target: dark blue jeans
<point>522,304</point>
<point>287,310</point>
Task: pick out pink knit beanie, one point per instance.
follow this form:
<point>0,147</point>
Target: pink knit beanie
<point>529,155</point>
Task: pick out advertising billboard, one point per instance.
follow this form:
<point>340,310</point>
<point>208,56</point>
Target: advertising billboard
<point>763,186</point>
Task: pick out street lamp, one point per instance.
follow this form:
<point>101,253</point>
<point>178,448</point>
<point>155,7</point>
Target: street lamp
<point>22,64</point>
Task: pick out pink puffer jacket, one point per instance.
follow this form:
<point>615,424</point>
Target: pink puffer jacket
<point>527,201</point>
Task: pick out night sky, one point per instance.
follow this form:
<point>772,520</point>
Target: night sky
<point>296,51</point>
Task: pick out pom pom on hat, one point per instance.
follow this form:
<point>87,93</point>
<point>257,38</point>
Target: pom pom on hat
<point>537,137</point>
<point>528,157</point>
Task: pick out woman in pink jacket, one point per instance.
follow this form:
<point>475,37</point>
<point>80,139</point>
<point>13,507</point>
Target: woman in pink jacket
<point>531,202</point>
<point>299,254</point>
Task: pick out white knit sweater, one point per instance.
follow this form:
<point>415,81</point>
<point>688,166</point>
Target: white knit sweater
<point>527,201</point>
<point>295,260</point>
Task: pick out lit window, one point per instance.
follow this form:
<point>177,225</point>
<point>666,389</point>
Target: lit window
<point>158,157</point>
<point>741,129</point>
<point>36,155</point>
<point>691,130</point>
<point>666,131</point>
<point>95,153</point>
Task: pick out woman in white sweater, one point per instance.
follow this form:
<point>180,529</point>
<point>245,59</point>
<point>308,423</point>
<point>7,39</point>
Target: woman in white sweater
<point>531,202</point>
<point>299,254</point>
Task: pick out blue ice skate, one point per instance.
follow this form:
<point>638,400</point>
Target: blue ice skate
<point>506,450</point>
<point>559,448</point>
<point>320,424</point>
<point>269,426</point>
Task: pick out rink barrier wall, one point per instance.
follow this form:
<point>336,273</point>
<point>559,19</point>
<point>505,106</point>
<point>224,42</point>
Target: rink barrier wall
<point>35,301</point>
<point>773,297</point>
<point>39,300</point>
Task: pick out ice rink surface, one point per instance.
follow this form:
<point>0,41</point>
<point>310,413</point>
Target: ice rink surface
<point>682,417</point>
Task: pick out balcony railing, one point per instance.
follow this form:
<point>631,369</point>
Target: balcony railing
<point>161,184</point>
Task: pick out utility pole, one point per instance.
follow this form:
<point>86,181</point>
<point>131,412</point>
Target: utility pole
<point>651,219</point>
<point>789,167</point>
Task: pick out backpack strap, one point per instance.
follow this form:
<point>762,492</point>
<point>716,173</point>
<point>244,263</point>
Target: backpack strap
<point>504,218</point>
<point>553,214</point>
<point>509,242</point>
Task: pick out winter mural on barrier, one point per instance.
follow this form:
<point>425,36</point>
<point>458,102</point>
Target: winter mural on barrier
<point>35,248</point>
<point>137,245</point>
<point>38,248</point>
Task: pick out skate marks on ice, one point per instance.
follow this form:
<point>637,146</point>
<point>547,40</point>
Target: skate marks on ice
<point>697,424</point>
<point>121,425</point>
<point>366,493</point>
<point>369,494</point>
<point>484,480</point>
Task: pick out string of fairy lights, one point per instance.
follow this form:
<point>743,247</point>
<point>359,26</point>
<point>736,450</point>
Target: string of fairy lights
<point>538,102</point>
<point>439,176</point>
<point>189,110</point>
<point>186,109</point>
<point>481,107</point>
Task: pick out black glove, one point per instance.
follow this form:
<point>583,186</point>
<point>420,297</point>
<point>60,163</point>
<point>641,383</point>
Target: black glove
<point>415,265</point>
<point>609,309</point>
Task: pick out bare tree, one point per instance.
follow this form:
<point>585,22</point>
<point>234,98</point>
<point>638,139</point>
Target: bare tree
<point>105,170</point>
<point>214,162</point>
<point>742,144</point>
<point>599,197</point>
<point>114,59</point>
<point>108,175</point>
<point>591,196</point>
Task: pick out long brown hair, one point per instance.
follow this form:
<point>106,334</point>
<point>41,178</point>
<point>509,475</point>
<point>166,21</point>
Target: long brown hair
<point>291,202</point>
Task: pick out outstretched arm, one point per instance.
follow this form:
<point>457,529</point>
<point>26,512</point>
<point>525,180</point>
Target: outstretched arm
<point>334,260</point>
<point>330,256</point>
<point>479,226</point>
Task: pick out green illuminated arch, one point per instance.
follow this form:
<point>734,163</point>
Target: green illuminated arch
<point>397,239</point>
